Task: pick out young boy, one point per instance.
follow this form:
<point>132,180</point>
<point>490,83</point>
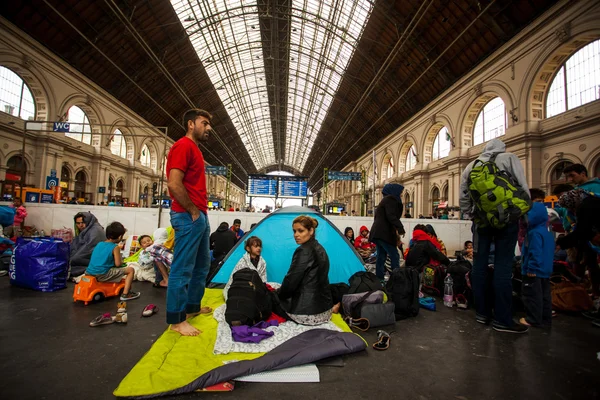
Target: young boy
<point>105,259</point>
<point>468,251</point>
<point>157,255</point>
<point>251,259</point>
<point>538,254</point>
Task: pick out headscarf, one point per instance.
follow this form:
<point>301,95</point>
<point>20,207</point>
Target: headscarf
<point>393,189</point>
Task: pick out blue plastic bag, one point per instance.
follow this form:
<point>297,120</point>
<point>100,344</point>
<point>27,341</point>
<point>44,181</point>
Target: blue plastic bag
<point>7,216</point>
<point>40,264</point>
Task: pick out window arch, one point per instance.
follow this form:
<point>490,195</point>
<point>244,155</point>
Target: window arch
<point>411,159</point>
<point>435,199</point>
<point>388,167</point>
<point>491,121</point>
<point>441,144</point>
<point>145,157</point>
<point>65,179</point>
<point>118,146</point>
<point>15,96</point>
<point>80,183</point>
<point>80,128</point>
<point>557,177</point>
<point>576,82</point>
<point>120,187</point>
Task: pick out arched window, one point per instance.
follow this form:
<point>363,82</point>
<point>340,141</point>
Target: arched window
<point>15,96</point>
<point>411,159</point>
<point>111,189</point>
<point>14,171</point>
<point>117,144</point>
<point>491,122</point>
<point>80,182</point>
<point>445,193</point>
<point>441,144</point>
<point>435,199</point>
<point>119,190</point>
<point>597,170</point>
<point>390,168</point>
<point>557,176</point>
<point>577,82</point>
<point>79,128</point>
<point>145,156</point>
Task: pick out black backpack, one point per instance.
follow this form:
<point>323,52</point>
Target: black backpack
<point>403,290</point>
<point>338,290</point>
<point>248,299</point>
<point>364,281</point>
<point>460,271</point>
<point>433,280</point>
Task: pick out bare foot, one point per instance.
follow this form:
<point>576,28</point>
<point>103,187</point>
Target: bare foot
<point>336,308</point>
<point>185,329</point>
<point>164,283</point>
<point>203,310</point>
<point>523,321</point>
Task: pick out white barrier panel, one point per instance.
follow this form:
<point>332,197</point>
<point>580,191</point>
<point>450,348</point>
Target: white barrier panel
<point>141,221</point>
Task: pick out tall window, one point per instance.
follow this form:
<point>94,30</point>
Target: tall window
<point>145,156</point>
<point>117,144</point>
<point>558,174</point>
<point>577,82</point>
<point>80,128</point>
<point>435,199</point>
<point>491,122</point>
<point>390,168</point>
<point>441,144</point>
<point>80,182</point>
<point>15,96</point>
<point>411,159</point>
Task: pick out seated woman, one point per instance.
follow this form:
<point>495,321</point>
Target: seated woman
<point>251,259</point>
<point>305,293</point>
<point>442,247</point>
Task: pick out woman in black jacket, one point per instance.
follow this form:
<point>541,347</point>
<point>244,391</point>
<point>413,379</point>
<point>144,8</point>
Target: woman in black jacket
<point>305,293</point>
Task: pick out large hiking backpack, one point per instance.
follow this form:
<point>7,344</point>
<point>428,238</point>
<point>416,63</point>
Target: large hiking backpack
<point>403,290</point>
<point>433,280</point>
<point>498,199</point>
<point>364,281</point>
<point>248,299</point>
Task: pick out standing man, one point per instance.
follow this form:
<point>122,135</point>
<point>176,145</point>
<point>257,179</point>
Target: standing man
<point>387,227</point>
<point>504,240</point>
<point>191,259</point>
<point>578,174</point>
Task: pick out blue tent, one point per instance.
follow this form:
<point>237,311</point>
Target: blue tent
<point>275,231</point>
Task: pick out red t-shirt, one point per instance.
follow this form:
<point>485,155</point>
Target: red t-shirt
<point>187,157</point>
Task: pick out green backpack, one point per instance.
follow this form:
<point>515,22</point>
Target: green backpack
<point>498,199</point>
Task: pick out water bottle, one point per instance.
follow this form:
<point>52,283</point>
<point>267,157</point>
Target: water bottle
<point>448,291</point>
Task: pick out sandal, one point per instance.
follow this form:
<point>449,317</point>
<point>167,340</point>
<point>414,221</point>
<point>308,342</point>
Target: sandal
<point>149,310</point>
<point>461,302</point>
<point>383,341</point>
<point>358,323</point>
<point>121,307</point>
<point>103,319</point>
<point>120,318</point>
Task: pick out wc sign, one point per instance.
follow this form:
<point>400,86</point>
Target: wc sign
<point>60,127</point>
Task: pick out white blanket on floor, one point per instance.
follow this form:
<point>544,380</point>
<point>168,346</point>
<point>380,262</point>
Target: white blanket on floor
<point>284,332</point>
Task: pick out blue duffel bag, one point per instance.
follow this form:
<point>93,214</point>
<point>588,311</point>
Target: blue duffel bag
<point>40,264</point>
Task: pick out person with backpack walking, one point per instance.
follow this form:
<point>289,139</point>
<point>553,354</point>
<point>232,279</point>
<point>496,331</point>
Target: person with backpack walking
<point>494,194</point>
<point>387,226</point>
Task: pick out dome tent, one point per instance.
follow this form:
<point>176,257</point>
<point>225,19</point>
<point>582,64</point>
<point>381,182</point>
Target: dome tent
<point>275,231</point>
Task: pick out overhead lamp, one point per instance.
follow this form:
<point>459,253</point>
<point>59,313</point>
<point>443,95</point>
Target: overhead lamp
<point>190,19</point>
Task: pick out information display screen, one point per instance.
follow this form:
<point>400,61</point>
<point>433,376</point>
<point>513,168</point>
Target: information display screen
<point>293,186</point>
<point>262,185</point>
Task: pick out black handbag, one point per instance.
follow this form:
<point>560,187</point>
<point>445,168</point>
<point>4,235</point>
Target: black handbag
<point>379,314</point>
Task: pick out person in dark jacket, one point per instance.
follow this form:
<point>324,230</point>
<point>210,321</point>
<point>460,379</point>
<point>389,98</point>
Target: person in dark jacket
<point>89,233</point>
<point>221,241</point>
<point>305,293</point>
<point>538,254</point>
<point>387,227</point>
<point>349,234</point>
<point>424,250</point>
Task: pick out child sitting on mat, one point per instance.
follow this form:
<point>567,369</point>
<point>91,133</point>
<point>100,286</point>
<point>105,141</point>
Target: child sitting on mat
<point>158,255</point>
<point>105,259</point>
<point>251,259</point>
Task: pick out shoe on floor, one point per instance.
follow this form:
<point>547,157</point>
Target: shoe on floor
<point>461,302</point>
<point>122,306</point>
<point>591,314</point>
<point>103,319</point>
<point>130,296</point>
<point>120,318</point>
<point>3,272</point>
<point>383,341</point>
<point>482,319</point>
<point>515,328</point>
<point>149,310</point>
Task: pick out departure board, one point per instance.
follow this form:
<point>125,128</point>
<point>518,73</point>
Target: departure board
<point>262,185</point>
<point>293,186</point>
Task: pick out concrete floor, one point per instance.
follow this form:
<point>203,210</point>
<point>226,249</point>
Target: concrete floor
<point>48,351</point>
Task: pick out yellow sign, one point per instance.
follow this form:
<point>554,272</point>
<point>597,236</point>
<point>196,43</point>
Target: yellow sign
<point>64,185</point>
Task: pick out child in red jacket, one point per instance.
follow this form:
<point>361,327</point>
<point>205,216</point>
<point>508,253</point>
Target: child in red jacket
<point>362,244</point>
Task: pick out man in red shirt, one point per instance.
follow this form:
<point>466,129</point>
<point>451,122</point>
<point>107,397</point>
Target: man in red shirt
<point>191,257</point>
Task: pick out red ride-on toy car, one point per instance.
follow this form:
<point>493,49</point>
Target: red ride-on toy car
<point>89,289</point>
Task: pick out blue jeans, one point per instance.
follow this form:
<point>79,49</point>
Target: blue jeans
<point>191,263</point>
<point>384,249</point>
<point>504,241</point>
